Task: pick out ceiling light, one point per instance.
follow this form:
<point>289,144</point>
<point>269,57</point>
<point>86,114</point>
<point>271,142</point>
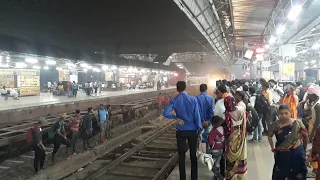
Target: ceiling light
<point>21,65</point>
<point>272,40</point>
<point>51,62</point>
<point>281,29</point>
<point>36,67</point>
<point>89,67</point>
<point>4,65</point>
<point>85,70</point>
<point>304,51</point>
<point>70,64</point>
<point>294,12</point>
<point>306,67</point>
<point>59,68</point>
<point>96,70</point>
<point>315,46</point>
<point>46,67</point>
<point>84,65</point>
<point>156,62</point>
<point>313,61</point>
<point>114,67</point>
<point>314,66</point>
<point>8,58</point>
<point>104,67</point>
<point>306,63</point>
<point>31,60</point>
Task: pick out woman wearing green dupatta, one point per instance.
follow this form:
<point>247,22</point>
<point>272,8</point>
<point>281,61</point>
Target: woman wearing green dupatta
<point>290,148</point>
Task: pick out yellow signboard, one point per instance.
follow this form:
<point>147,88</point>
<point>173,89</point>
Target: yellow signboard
<point>7,78</point>
<point>287,72</point>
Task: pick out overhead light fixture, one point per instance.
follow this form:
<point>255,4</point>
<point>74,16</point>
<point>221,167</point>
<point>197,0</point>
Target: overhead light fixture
<point>21,65</point>
<point>84,65</point>
<point>104,67</point>
<point>8,58</point>
<point>314,66</point>
<point>36,67</point>
<point>96,70</point>
<point>306,67</point>
<point>70,64</point>
<point>31,60</point>
<point>59,68</point>
<point>46,67</point>
<point>4,65</point>
<point>114,67</point>
<point>89,67</point>
<point>51,62</point>
<point>86,70</point>
<point>313,61</point>
<point>304,51</point>
<point>306,63</point>
<point>272,39</point>
<point>315,46</point>
<point>260,50</point>
<point>281,29</point>
<point>156,62</point>
<point>294,12</point>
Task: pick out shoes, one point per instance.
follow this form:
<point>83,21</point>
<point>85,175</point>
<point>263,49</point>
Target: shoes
<point>252,141</point>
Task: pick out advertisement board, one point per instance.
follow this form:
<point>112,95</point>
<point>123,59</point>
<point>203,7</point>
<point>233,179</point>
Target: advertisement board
<point>28,81</point>
<point>287,71</point>
<point>64,76</point>
<point>7,78</point>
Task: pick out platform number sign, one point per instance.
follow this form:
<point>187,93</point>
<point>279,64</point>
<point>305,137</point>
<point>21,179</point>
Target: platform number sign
<point>238,54</point>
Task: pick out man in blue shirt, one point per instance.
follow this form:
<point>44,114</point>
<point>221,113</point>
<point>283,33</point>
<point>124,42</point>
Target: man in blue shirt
<point>189,126</point>
<point>206,106</point>
<point>103,116</point>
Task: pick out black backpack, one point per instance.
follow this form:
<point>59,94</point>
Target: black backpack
<point>262,104</point>
<point>301,94</point>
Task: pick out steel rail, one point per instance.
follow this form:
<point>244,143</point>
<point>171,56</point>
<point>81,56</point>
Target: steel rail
<point>126,155</point>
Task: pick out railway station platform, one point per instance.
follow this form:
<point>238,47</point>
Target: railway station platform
<point>260,164</point>
<point>26,108</point>
<point>49,99</point>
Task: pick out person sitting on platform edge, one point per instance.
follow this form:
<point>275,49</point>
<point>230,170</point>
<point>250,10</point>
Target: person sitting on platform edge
<point>188,128</point>
<point>206,106</point>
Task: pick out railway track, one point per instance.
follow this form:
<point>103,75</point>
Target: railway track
<point>149,159</point>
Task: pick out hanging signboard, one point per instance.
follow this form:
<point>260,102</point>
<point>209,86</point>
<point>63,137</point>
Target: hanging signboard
<point>7,78</point>
<point>109,76</point>
<point>28,81</point>
<point>64,76</point>
<point>287,71</point>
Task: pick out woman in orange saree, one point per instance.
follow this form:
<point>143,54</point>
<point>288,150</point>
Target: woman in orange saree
<point>292,100</point>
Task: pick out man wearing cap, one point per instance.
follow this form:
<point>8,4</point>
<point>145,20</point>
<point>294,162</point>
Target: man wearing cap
<point>38,147</point>
<point>60,137</point>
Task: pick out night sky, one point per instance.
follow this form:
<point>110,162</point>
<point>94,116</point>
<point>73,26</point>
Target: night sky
<point>114,26</point>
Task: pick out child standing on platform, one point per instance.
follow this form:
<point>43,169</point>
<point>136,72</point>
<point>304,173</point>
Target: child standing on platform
<point>216,142</point>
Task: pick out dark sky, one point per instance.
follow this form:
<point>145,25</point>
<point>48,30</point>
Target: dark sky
<point>114,26</point>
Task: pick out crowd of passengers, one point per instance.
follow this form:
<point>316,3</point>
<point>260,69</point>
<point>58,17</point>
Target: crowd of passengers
<point>242,109</point>
<point>68,132</point>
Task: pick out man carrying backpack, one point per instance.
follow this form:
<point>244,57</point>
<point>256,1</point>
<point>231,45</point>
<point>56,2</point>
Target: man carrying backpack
<point>255,120</point>
<point>103,122</point>
<point>35,138</point>
<point>262,106</point>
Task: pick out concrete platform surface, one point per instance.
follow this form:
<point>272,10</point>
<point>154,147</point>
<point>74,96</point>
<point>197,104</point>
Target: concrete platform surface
<point>260,164</point>
<point>48,98</point>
